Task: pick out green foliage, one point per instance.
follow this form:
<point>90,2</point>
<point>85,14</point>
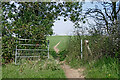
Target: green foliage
<point>74,62</point>
<point>7,48</point>
<point>103,63</point>
<point>33,69</point>
<point>106,44</point>
<point>49,64</point>
<point>53,53</point>
<point>97,65</point>
<point>104,68</point>
<point>62,46</point>
<point>100,45</point>
<point>62,55</point>
<point>74,47</point>
<point>33,20</point>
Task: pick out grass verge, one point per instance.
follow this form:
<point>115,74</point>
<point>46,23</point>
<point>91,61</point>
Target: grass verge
<point>103,68</point>
<point>33,69</point>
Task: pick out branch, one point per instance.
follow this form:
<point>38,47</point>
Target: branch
<point>107,14</point>
<point>118,9</point>
<point>103,16</point>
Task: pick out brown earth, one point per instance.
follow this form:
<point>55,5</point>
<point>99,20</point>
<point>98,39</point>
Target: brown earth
<point>70,72</point>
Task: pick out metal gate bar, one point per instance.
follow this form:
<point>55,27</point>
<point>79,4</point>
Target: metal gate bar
<point>16,51</point>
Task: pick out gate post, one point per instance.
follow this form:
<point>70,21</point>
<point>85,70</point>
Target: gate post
<point>16,53</point>
<point>81,49</point>
<point>48,49</point>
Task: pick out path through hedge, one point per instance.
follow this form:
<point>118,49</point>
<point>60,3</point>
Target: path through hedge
<point>70,72</point>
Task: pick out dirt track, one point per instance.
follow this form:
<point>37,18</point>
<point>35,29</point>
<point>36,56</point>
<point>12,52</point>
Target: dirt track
<point>70,72</point>
<point>55,47</point>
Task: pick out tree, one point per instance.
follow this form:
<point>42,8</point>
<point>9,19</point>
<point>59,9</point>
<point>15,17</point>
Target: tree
<point>33,20</point>
<point>106,17</point>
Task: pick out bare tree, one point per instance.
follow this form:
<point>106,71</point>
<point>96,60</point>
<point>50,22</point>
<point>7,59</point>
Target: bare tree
<point>107,16</point>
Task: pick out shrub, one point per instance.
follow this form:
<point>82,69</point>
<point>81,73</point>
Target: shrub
<point>48,64</point>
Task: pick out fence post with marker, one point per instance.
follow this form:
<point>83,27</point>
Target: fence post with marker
<point>16,51</point>
<point>81,49</point>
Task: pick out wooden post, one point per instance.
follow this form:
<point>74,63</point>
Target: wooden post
<point>87,45</point>
<point>16,53</point>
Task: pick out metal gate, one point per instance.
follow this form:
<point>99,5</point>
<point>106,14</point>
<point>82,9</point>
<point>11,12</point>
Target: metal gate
<point>23,45</point>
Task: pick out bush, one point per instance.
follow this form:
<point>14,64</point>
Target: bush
<point>48,64</point>
<point>74,47</point>
<point>62,55</point>
<point>54,54</point>
<point>8,47</point>
<point>100,45</point>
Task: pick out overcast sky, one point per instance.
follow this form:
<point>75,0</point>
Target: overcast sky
<point>66,28</point>
<point>63,28</point>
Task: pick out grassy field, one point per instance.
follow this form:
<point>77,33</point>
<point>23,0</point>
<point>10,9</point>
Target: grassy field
<point>55,39</point>
<point>33,69</point>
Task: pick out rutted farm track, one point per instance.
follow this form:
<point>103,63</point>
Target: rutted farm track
<point>70,72</point>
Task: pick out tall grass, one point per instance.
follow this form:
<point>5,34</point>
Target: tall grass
<point>103,68</point>
<point>49,68</point>
<point>101,64</point>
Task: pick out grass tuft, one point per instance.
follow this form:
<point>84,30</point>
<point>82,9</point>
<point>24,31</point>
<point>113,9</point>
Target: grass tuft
<point>34,69</point>
<point>103,68</point>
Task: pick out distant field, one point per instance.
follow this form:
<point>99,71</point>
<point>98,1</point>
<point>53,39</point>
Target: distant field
<point>55,39</point>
